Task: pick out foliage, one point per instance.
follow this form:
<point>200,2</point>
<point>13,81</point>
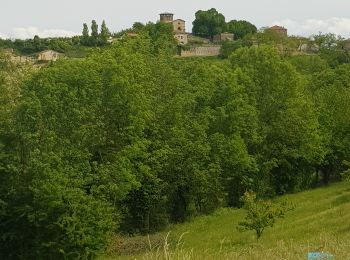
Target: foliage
<point>32,46</point>
<point>161,37</point>
<point>331,92</point>
<point>346,174</point>
<point>309,227</point>
<point>228,47</point>
<point>86,35</point>
<point>208,23</point>
<point>331,49</point>
<point>94,37</point>
<point>104,34</point>
<point>131,138</point>
<point>260,214</point>
<point>241,28</point>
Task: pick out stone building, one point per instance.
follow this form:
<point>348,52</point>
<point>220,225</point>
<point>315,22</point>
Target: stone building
<point>182,38</point>
<point>223,37</point>
<point>279,29</point>
<point>48,55</point>
<point>166,17</point>
<point>179,27</point>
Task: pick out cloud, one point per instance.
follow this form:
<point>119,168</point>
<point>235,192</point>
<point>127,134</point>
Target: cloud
<point>336,25</point>
<point>31,31</point>
<point>3,36</point>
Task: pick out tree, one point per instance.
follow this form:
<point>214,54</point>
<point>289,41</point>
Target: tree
<point>162,38</point>
<point>137,26</point>
<point>85,35</point>
<point>330,90</point>
<point>260,214</point>
<point>328,41</point>
<point>228,47</point>
<point>37,43</point>
<point>209,23</point>
<point>94,33</point>
<point>240,28</point>
<point>286,153</point>
<point>104,33</point>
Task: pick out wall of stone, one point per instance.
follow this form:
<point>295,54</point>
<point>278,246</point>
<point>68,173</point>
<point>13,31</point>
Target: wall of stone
<point>22,59</point>
<point>201,51</point>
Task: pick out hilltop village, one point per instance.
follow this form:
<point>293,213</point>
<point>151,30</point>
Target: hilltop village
<point>207,48</point>
<point>189,44</point>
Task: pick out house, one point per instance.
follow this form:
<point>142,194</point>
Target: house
<point>279,29</point>
<point>223,37</point>
<point>47,55</point>
<point>182,38</point>
<point>179,27</point>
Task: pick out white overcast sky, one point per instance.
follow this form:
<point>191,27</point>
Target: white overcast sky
<point>48,18</point>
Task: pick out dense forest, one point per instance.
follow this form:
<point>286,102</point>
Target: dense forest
<point>131,138</point>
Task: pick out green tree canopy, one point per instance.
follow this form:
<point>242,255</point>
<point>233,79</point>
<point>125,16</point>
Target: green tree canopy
<point>85,35</point>
<point>94,33</point>
<point>208,23</point>
<point>240,28</point>
<point>105,33</point>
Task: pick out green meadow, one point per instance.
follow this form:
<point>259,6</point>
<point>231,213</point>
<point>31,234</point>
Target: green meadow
<point>320,222</point>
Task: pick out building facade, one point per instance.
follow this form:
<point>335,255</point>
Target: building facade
<point>48,55</point>
<point>279,29</point>
<point>182,38</point>
<point>179,27</point>
<point>166,17</point>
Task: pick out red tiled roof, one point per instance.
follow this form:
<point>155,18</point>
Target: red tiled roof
<point>277,27</point>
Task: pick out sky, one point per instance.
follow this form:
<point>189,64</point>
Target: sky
<point>48,18</point>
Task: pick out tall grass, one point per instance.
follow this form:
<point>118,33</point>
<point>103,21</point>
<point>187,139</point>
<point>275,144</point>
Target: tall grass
<point>320,222</point>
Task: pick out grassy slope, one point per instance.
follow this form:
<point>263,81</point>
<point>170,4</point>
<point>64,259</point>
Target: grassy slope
<point>320,221</point>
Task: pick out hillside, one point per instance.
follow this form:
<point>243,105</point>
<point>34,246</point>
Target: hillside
<point>320,222</point>
<point>131,140</point>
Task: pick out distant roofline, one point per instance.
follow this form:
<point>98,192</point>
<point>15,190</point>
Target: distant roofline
<point>179,20</point>
<point>166,13</point>
<point>277,26</point>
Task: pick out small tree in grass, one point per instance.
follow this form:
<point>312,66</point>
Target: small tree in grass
<point>260,213</point>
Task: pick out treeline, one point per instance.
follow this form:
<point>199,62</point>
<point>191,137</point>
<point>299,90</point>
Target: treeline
<point>95,38</point>
<point>131,139</point>
<point>74,46</point>
<point>210,23</point>
<point>37,44</point>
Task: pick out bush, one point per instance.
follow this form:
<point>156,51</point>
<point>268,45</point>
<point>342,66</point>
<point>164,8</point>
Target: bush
<point>260,214</point>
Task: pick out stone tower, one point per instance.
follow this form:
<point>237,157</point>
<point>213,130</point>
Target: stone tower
<point>166,17</point>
